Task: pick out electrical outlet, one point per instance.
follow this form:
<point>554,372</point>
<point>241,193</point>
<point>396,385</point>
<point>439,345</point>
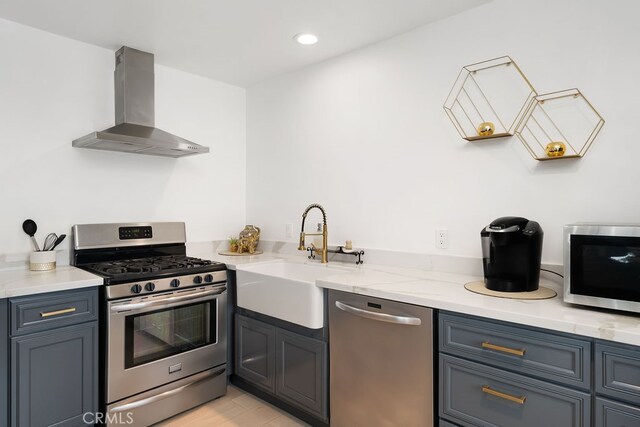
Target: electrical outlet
<point>288,230</point>
<point>442,238</point>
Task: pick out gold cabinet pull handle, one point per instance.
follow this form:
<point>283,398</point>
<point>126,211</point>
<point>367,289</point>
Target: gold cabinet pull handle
<point>57,312</point>
<point>517,399</point>
<point>516,351</point>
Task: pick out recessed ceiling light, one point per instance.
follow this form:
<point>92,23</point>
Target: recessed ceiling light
<point>306,38</point>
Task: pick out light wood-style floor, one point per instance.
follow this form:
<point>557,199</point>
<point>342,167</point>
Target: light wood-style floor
<point>235,409</point>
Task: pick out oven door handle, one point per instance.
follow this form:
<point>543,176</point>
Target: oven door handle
<point>149,400</point>
<point>165,301</point>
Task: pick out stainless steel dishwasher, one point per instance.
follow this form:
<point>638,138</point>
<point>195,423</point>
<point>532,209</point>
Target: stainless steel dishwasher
<point>381,362</point>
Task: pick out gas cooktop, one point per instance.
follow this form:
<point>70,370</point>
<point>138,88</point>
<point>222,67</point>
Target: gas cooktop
<point>151,268</point>
<point>140,252</point>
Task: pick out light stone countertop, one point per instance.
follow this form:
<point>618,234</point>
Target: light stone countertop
<point>233,261</point>
<point>441,290</point>
<point>445,291</point>
<point>21,282</point>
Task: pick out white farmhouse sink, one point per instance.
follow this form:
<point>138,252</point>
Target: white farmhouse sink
<point>285,290</point>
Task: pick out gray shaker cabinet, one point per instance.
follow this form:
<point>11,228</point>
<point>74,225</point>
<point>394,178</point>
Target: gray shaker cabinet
<point>255,352</point>
<point>444,423</point>
<point>615,414</point>
<point>4,364</point>
<point>618,372</point>
<point>497,374</point>
<point>53,376</point>
<point>301,370</point>
<point>290,366</point>
<point>547,356</point>
<point>617,385</point>
<point>474,394</point>
<point>54,358</point>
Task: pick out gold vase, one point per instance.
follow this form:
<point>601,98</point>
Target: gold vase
<point>486,129</point>
<point>248,239</point>
<point>555,149</point>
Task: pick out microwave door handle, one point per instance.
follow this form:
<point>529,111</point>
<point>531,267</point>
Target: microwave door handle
<point>166,301</point>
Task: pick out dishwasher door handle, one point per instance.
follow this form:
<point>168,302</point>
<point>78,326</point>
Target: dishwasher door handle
<point>382,317</point>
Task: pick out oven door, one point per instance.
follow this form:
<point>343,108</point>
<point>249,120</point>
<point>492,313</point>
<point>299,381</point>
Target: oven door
<point>160,338</point>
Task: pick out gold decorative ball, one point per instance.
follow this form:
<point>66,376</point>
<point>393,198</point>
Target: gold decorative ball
<point>555,149</point>
<point>486,129</point>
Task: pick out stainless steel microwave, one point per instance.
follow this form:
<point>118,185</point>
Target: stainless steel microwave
<point>602,265</point>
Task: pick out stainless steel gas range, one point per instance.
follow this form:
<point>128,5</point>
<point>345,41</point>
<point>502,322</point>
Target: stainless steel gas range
<point>163,319</point>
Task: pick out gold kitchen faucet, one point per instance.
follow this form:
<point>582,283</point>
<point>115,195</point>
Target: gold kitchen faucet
<point>322,250</point>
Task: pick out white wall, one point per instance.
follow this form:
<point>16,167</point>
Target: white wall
<point>365,134</point>
<point>53,90</point>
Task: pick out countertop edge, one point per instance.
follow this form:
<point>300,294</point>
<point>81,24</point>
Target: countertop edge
<point>15,283</point>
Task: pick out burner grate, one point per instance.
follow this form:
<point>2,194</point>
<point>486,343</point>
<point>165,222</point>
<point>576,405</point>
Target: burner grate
<point>146,266</point>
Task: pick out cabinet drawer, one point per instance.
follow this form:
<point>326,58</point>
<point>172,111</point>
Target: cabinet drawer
<point>618,372</point>
<point>478,395</point>
<point>614,414</point>
<point>46,311</point>
<point>544,355</point>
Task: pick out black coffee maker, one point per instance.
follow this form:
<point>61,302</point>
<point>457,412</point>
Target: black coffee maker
<point>511,254</point>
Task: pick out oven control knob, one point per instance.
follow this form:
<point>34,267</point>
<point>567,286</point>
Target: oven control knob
<point>175,283</point>
<point>150,286</point>
<point>197,279</point>
<point>136,289</point>
<point>208,278</point>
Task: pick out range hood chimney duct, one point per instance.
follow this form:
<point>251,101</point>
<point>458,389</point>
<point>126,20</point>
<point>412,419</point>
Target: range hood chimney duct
<point>135,130</point>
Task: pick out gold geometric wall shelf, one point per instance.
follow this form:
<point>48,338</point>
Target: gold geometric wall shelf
<point>489,99</point>
<point>559,125</point>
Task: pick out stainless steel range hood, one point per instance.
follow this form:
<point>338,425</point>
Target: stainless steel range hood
<point>135,130</point>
